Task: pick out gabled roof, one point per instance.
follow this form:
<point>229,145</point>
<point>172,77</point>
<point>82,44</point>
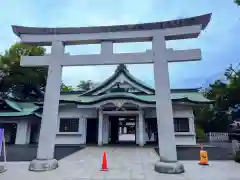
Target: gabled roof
<point>121,70</point>
<point>30,108</point>
<point>191,96</point>
<point>98,94</point>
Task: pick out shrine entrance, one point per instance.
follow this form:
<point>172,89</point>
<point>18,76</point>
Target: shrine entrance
<point>92,131</point>
<point>122,130</point>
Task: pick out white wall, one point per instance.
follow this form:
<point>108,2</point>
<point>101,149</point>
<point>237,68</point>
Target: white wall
<point>137,130</point>
<point>23,132</point>
<point>185,140</point>
<point>182,138</point>
<point>178,111</point>
<point>71,111</point>
<point>69,139</point>
<point>105,129</point>
<point>68,111</point>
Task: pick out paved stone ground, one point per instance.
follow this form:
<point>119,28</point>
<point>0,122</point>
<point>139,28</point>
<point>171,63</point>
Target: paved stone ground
<point>127,137</point>
<point>29,152</point>
<point>124,163</point>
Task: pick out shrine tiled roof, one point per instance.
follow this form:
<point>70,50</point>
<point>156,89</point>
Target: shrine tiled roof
<point>194,97</point>
<point>21,108</point>
<point>121,69</point>
<point>145,95</point>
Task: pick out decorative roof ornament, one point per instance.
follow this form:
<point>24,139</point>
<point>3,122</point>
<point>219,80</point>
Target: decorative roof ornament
<point>119,103</point>
<point>121,67</point>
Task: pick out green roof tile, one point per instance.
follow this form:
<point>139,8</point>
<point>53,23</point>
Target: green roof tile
<point>192,96</point>
<point>13,105</point>
<point>29,108</point>
<point>24,108</point>
<point>12,114</point>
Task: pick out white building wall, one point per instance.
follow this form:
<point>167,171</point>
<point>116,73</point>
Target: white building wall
<point>23,132</point>
<point>185,139</point>
<point>71,111</point>
<point>105,129</point>
<point>137,130</point>
<point>182,138</point>
<point>69,138</point>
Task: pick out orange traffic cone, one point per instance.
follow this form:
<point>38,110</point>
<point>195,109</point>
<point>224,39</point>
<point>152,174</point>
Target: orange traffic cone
<point>203,157</point>
<point>104,162</point>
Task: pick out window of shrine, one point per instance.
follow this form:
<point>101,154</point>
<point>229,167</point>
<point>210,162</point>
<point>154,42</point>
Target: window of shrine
<point>69,125</point>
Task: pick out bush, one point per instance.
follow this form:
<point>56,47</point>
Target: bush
<point>237,156</point>
<point>200,135</point>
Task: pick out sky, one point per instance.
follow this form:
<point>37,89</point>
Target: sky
<point>219,42</point>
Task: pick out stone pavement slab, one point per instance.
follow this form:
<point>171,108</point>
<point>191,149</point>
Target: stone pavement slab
<point>133,163</point>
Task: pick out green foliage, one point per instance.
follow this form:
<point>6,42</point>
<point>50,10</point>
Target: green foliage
<point>237,2</point>
<point>66,88</point>
<point>200,133</point>
<point>226,95</point>
<point>237,157</point>
<point>85,85</point>
<point>14,76</point>
<point>25,79</point>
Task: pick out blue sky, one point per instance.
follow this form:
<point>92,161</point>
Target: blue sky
<point>220,42</point>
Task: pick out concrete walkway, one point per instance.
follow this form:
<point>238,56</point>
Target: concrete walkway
<point>124,163</point>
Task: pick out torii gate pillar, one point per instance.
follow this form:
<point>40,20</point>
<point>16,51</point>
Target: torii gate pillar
<point>157,32</point>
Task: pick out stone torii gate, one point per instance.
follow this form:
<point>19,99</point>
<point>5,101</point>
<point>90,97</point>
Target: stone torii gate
<point>159,55</point>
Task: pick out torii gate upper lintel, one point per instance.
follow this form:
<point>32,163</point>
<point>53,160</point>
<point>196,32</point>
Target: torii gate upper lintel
<point>159,55</point>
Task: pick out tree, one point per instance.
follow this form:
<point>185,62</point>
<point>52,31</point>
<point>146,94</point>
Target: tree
<point>66,88</point>
<point>233,88</point>
<point>24,79</point>
<point>226,96</point>
<point>237,2</point>
<point>85,85</point>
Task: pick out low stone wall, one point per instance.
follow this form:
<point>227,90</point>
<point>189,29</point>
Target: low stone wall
<point>29,152</point>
